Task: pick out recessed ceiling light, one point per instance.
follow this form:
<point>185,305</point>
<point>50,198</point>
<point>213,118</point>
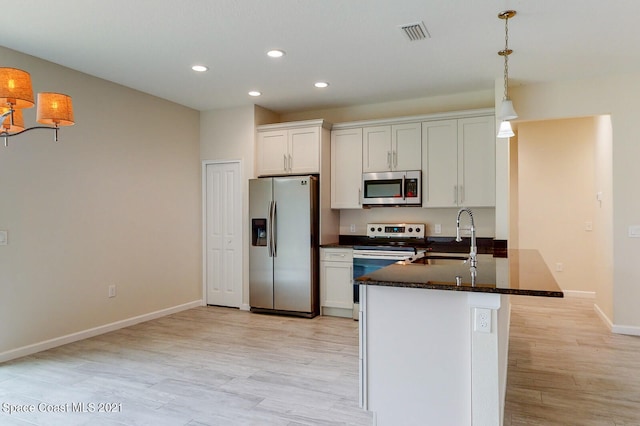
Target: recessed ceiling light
<point>275,53</point>
<point>254,93</point>
<point>199,68</point>
<point>321,84</point>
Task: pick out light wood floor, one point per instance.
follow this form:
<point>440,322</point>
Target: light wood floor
<point>566,368</point>
<point>218,366</point>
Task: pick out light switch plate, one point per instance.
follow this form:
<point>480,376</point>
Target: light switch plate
<point>4,238</point>
<point>634,231</point>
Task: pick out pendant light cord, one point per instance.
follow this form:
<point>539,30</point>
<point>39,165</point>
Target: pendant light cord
<point>506,52</point>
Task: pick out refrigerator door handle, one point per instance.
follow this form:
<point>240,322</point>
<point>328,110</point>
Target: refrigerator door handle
<point>270,229</point>
<point>274,229</point>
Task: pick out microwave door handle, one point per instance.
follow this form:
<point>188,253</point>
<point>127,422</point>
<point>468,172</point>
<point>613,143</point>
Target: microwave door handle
<point>404,195</point>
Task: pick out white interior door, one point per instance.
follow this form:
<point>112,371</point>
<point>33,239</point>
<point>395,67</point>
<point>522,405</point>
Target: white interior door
<point>223,234</point>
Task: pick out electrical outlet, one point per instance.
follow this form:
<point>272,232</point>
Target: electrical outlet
<point>112,291</point>
<point>559,267</point>
<point>4,240</point>
<point>588,226</point>
<point>482,321</point>
<point>437,228</point>
<point>352,228</point>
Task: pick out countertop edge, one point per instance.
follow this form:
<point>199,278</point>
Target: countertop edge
<point>453,287</point>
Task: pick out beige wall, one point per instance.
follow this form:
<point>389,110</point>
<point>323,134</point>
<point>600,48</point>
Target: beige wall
<point>615,96</point>
<point>603,216</point>
<point>514,241</point>
<point>556,194</point>
<point>230,135</point>
<point>115,201</point>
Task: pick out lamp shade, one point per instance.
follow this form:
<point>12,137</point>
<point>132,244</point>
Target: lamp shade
<point>54,109</point>
<point>18,121</point>
<point>505,130</point>
<point>506,110</point>
<point>15,88</point>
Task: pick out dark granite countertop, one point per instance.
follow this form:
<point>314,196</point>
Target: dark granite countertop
<point>430,243</point>
<point>522,272</point>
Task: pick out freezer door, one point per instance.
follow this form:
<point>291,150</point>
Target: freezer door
<point>260,261</point>
<point>293,261</point>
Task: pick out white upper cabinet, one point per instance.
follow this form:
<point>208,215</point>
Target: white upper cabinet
<point>477,161</point>
<point>458,158</point>
<point>440,163</point>
<point>392,147</point>
<point>346,168</point>
<point>406,146</point>
<point>288,151</point>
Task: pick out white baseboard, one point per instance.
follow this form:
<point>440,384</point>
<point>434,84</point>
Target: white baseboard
<point>626,329</point>
<point>580,294</point>
<point>245,307</point>
<point>618,329</point>
<point>603,316</point>
<point>85,334</point>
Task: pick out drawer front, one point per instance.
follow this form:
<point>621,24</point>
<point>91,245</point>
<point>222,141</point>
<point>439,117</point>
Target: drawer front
<point>336,255</point>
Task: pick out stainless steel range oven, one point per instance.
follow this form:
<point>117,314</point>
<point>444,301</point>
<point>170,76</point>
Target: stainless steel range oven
<point>387,245</point>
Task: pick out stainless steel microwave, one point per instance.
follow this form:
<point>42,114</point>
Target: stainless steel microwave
<point>392,188</point>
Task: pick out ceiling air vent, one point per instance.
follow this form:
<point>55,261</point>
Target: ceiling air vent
<point>416,31</point>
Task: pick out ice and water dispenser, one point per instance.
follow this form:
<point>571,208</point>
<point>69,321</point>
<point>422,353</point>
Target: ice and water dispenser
<point>259,232</point>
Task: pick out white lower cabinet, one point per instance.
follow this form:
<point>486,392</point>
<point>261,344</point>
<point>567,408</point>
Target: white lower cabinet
<point>336,282</point>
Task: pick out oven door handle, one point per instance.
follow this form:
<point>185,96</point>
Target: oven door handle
<point>381,257</point>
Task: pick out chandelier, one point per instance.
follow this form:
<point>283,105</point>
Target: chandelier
<point>53,109</point>
<point>507,112</point>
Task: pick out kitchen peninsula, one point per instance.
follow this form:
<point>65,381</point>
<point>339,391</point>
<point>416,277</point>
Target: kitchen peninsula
<point>434,336</point>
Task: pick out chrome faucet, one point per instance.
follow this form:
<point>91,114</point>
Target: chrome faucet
<point>473,250</point>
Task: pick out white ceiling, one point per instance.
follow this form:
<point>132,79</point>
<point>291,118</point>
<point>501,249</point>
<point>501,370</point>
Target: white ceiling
<point>355,45</point>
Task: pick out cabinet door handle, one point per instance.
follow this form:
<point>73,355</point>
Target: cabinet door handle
<point>285,162</point>
<point>290,162</point>
<point>395,159</point>
<point>461,194</point>
<point>389,159</point>
<point>455,194</point>
<point>359,196</point>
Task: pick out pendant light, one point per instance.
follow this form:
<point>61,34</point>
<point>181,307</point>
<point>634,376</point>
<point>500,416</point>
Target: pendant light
<point>507,112</point>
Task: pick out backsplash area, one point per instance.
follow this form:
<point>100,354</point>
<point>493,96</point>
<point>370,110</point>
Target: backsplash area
<point>354,222</point>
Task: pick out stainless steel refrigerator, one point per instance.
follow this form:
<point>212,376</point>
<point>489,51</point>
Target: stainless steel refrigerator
<point>283,255</point>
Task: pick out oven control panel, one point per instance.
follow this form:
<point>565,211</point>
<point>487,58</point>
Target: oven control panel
<point>395,230</point>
